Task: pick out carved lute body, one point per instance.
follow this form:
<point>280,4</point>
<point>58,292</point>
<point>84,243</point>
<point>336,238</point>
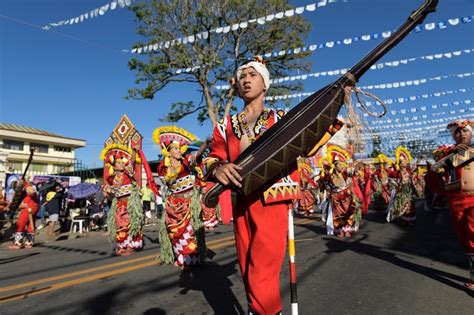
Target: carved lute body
<point>298,131</point>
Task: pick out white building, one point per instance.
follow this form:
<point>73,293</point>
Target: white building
<point>53,153</point>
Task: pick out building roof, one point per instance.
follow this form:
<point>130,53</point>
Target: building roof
<point>31,130</point>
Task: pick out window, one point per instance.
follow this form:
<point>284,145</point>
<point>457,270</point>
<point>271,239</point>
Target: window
<point>13,145</point>
<point>14,166</point>
<point>39,147</point>
<point>38,167</point>
<point>59,148</point>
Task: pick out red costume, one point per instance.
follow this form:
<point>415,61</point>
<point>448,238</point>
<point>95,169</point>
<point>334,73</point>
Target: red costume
<point>29,207</point>
<point>125,218</point>
<point>260,219</point>
<point>183,243</point>
<point>459,185</point>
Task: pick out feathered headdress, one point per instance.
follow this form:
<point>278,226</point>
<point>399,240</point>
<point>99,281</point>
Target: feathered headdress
<point>383,159</point>
<point>169,136</point>
<point>113,152</point>
<point>335,153</point>
<point>402,153</point>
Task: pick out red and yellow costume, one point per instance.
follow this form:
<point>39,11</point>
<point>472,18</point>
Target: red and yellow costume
<point>403,204</point>
<point>459,188</point>
<point>181,235</point>
<point>380,184</point>
<point>307,186</point>
<point>29,207</point>
<point>344,213</point>
<point>260,219</point>
<point>125,218</point>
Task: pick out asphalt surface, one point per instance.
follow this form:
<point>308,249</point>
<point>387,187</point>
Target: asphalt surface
<point>385,269</point>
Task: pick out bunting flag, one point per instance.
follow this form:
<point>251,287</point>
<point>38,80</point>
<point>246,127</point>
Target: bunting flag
<point>91,14</point>
<point>388,101</point>
<point>393,85</point>
<point>423,108</point>
<point>417,124</point>
<point>401,100</point>
<point>347,41</point>
<point>234,27</point>
<point>378,66</point>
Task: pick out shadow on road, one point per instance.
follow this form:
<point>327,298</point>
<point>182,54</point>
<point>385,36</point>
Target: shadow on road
<point>356,245</point>
<point>212,280</point>
<point>17,258</point>
<point>75,250</point>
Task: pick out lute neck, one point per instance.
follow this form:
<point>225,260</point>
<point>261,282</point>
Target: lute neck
<point>414,19</point>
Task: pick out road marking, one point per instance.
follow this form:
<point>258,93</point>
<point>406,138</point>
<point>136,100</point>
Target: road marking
<point>60,285</point>
<point>81,272</point>
<point>223,242</point>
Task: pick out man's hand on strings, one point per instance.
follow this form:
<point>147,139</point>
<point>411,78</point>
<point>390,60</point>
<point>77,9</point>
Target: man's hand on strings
<point>228,174</point>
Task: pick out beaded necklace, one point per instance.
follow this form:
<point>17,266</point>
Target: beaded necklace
<point>250,134</point>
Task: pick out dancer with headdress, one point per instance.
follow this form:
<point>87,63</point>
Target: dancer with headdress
<point>181,233</point>
<point>344,212</point>
<point>125,218</point>
<point>402,204</point>
<point>307,185</point>
<point>457,164</point>
<point>380,184</point>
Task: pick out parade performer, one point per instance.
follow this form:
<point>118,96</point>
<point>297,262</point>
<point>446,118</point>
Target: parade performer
<point>380,184</point>
<point>125,218</point>
<point>181,234</point>
<point>307,186</point>
<point>402,204</point>
<point>29,207</point>
<point>419,181</point>
<point>344,212</point>
<point>261,218</point>
<point>457,162</point>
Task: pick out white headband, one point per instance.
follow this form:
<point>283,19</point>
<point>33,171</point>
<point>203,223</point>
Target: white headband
<point>453,129</point>
<point>260,68</point>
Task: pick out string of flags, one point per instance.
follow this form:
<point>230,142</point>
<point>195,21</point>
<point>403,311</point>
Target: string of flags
<point>227,28</point>
<point>413,131</point>
<point>423,108</point>
<point>417,123</point>
<point>401,100</point>
<point>378,66</point>
<point>395,85</point>
<point>331,44</point>
<point>392,85</point>
<point>100,11</point>
<point>388,101</point>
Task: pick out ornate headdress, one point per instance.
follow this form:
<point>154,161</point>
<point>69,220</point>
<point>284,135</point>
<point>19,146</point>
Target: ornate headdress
<point>304,165</point>
<point>461,123</point>
<point>335,153</point>
<point>402,153</point>
<point>170,136</point>
<point>383,159</point>
<point>114,152</point>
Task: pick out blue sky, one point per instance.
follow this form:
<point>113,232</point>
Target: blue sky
<point>74,83</point>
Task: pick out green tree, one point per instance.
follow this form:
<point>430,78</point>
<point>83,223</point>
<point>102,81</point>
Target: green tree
<point>215,58</point>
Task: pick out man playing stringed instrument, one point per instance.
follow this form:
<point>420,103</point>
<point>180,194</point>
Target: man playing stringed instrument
<point>261,218</point>
<point>458,163</point>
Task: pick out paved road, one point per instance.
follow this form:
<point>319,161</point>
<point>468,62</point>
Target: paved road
<point>385,269</point>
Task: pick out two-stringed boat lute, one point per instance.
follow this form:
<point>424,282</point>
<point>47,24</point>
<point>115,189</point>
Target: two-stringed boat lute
<point>298,131</point>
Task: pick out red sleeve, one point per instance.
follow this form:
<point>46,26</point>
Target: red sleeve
<point>218,149</point>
